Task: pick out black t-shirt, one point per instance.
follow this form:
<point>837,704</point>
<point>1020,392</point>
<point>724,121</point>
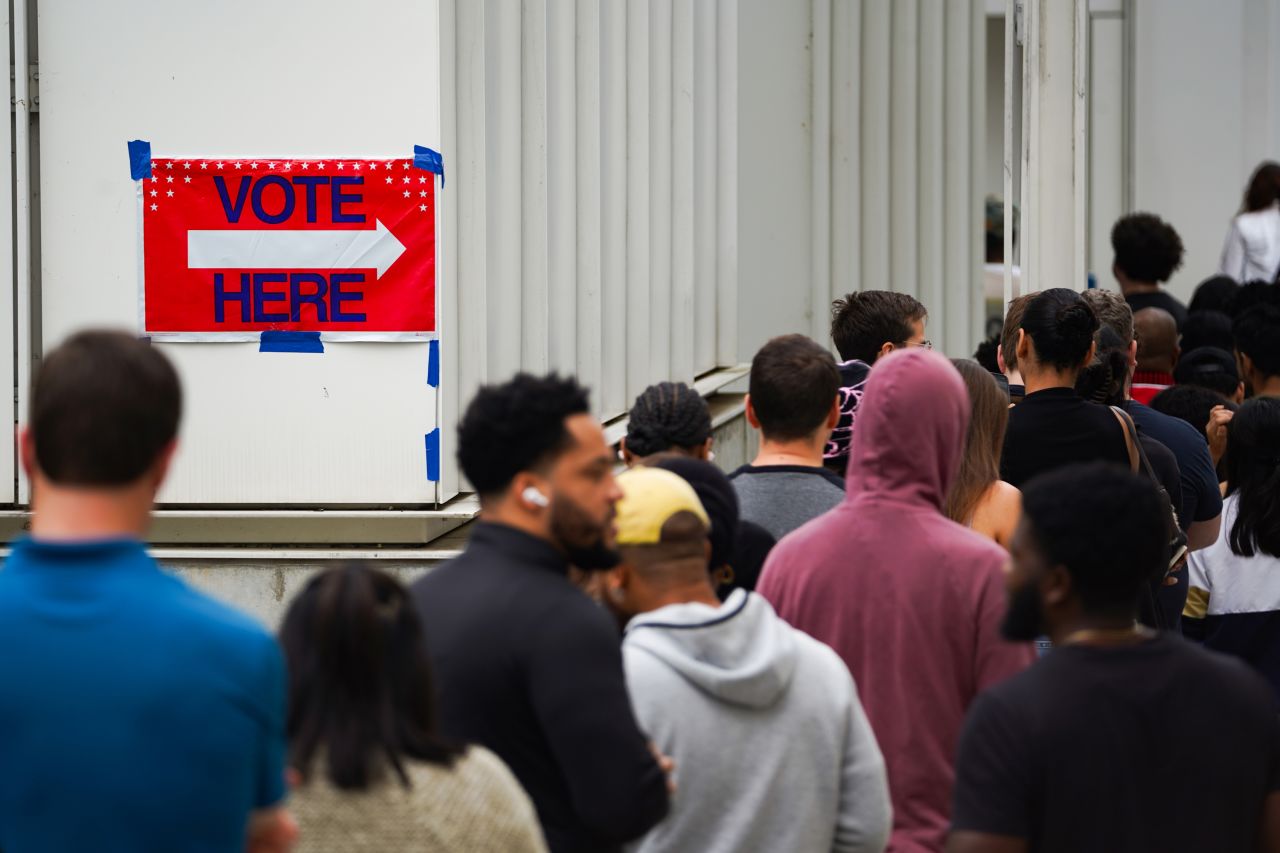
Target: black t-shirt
<point>1161,746</point>
<point>1055,427</point>
<point>1158,299</point>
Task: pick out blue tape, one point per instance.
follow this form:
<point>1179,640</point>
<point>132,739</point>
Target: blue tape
<point>433,364</point>
<point>290,342</point>
<point>139,159</point>
<point>431,161</point>
<point>433,455</point>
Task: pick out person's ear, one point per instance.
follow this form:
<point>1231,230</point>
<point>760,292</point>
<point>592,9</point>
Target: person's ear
<point>1238,398</point>
<point>833,416</point>
<point>1246,366</point>
<point>1056,587</point>
<point>1093,351</point>
<point>1133,353</point>
<point>628,458</point>
<point>27,451</point>
<point>751,412</point>
<point>528,493</point>
<point>885,349</point>
<point>1023,347</point>
<point>1004,368</point>
<point>704,449</point>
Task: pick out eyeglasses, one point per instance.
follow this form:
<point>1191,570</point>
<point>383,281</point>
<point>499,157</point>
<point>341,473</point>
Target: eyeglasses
<point>921,344</point>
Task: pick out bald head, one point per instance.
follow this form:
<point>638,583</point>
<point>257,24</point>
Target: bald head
<point>1157,334</point>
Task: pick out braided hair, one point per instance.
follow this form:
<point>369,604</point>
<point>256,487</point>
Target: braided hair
<point>667,415</point>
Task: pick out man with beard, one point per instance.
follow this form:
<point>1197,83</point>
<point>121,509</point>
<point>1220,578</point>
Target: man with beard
<point>1121,738</point>
<point>526,665</point>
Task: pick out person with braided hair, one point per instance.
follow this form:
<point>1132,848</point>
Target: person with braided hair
<point>669,417</point>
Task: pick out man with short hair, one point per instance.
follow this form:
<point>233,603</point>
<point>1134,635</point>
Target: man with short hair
<point>768,720</point>
<point>910,600</point>
<point>865,326</point>
<point>1147,252</point>
<point>1007,352</point>
<point>1201,509</point>
<point>1157,336</point>
<point>1084,750</point>
<point>526,665</point>
<point>1257,334</point>
<point>139,714</point>
<point>792,400</point>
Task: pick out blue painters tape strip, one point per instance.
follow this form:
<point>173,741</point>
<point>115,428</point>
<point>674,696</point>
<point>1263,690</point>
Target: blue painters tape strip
<point>433,455</point>
<point>433,364</point>
<point>290,342</point>
<point>139,159</point>
<point>431,161</point>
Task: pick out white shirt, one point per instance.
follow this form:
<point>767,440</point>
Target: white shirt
<point>1252,250</point>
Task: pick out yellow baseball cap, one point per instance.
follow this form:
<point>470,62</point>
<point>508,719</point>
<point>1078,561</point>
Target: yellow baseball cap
<point>650,496</point>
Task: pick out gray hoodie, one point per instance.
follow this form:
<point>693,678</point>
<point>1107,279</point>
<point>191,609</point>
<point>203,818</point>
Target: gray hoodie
<point>773,752</point>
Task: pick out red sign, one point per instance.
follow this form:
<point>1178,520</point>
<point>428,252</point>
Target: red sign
<point>301,245</point>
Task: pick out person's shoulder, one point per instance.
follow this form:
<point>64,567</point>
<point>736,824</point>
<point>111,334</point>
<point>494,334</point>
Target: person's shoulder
<point>1004,497</point>
<point>201,612</point>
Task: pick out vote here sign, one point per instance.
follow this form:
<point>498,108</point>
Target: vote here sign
<point>244,246</point>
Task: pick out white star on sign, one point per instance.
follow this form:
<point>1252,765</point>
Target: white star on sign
<point>423,194</point>
<point>319,165</point>
<point>186,165</point>
<point>204,165</point>
<point>404,165</point>
<point>218,165</point>
<point>306,166</point>
<point>169,165</point>
<point>388,179</point>
<point>153,207</point>
<point>271,165</point>
<point>422,207</point>
<point>406,193</point>
<point>405,179</point>
<point>169,193</point>
<point>253,165</point>
<point>339,167</point>
<point>355,166</point>
<point>187,179</point>
<point>237,165</point>
<point>168,179</point>
<point>153,193</point>
<point>422,180</point>
<point>288,167</point>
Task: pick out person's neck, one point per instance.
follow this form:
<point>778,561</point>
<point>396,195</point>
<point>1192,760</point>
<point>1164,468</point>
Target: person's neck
<point>1043,380</point>
<point>67,514</point>
<point>1014,376</point>
<point>694,592</point>
<point>804,452</point>
<point>1097,629</point>
<point>522,521</point>
<point>1128,286</point>
<point>1267,387</point>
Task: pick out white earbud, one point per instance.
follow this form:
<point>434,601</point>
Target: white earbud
<point>532,495</point>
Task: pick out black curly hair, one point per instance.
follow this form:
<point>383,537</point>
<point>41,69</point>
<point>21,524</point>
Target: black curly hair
<point>667,415</point>
<point>517,426</point>
<point>1147,248</point>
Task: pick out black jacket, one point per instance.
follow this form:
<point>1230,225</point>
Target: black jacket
<point>528,666</point>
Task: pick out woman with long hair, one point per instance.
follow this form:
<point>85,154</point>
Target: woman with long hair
<point>373,773</point>
<point>1252,249</point>
<point>1234,602</point>
<point>979,499</point>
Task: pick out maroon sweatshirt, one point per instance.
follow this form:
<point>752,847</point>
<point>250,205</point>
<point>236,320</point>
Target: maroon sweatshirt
<point>909,599</point>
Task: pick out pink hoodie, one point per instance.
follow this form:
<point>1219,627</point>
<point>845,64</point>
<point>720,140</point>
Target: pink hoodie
<point>910,600</point>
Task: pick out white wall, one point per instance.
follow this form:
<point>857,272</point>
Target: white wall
<point>1206,111</point>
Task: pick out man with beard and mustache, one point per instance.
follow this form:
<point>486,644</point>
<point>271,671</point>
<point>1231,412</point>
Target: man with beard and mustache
<point>1121,738</point>
<point>526,665</point>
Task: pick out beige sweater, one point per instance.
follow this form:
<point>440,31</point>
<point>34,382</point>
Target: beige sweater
<point>477,806</point>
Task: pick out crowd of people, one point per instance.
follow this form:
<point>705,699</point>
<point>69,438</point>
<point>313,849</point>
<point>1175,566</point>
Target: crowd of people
<point>1026,601</point>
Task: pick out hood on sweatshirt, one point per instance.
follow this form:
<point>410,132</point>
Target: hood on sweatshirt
<point>911,429</point>
<point>739,652</point>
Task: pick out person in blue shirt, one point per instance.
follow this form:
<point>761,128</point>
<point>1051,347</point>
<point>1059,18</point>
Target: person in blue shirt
<point>138,714</point>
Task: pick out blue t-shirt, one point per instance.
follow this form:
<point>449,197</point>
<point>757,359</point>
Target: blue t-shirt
<point>1201,499</point>
<point>136,714</point>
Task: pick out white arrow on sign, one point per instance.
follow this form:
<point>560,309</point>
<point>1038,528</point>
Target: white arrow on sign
<point>329,250</point>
